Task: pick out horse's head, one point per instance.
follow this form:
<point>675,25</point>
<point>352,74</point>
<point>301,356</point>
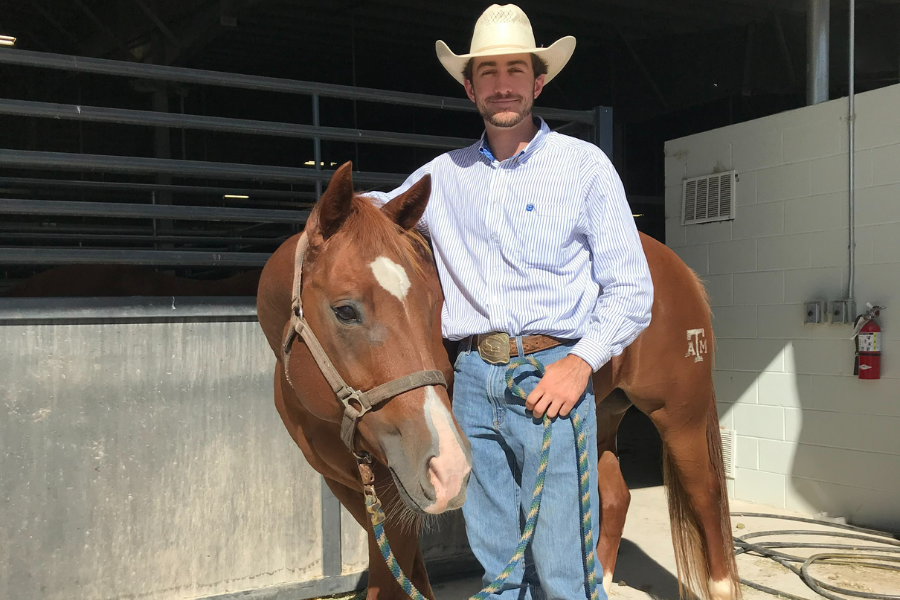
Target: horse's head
<point>372,296</point>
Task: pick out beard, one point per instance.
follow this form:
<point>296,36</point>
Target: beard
<point>507,116</point>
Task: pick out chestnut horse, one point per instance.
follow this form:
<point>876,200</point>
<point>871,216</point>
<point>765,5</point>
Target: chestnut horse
<point>372,296</point>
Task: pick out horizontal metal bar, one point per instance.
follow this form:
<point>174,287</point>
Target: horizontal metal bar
<point>151,187</point>
<point>151,239</point>
<point>30,159</point>
<point>169,258</point>
<point>14,311</point>
<point>119,229</point>
<point>64,208</point>
<point>103,66</point>
<point>24,108</point>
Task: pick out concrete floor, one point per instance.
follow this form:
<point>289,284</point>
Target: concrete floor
<point>646,566</point>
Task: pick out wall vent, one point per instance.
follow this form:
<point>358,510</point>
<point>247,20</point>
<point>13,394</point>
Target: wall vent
<point>729,449</point>
<point>708,199</point>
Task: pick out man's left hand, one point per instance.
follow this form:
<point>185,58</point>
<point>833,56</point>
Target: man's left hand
<point>561,387</point>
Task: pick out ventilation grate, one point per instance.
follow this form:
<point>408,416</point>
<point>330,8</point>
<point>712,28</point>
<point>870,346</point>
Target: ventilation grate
<point>729,447</point>
<point>709,198</point>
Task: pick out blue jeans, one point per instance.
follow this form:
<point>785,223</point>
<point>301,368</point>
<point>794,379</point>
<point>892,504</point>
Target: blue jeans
<point>506,450</point>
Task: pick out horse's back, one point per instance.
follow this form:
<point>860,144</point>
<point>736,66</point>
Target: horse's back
<point>674,282</point>
<point>655,362</point>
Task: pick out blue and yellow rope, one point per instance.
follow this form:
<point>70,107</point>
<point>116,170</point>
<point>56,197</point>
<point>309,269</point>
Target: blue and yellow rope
<point>374,507</point>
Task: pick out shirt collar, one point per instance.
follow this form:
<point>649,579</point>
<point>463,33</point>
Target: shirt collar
<point>536,142</point>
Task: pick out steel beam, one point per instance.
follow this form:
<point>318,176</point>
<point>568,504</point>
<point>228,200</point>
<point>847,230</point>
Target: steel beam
<point>68,184</point>
<point>20,311</point>
<point>64,208</point>
<point>168,258</point>
<point>80,238</point>
<point>818,33</point>
<point>30,159</point>
<point>97,114</point>
<point>158,22</point>
<point>256,82</point>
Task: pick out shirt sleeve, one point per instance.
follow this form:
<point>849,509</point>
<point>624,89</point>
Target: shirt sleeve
<point>618,265</point>
<point>382,198</point>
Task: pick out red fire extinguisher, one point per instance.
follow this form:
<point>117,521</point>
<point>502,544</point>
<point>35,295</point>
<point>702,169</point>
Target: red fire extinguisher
<point>868,344</point>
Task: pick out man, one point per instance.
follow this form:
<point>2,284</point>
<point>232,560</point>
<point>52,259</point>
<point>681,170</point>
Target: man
<point>537,253</point>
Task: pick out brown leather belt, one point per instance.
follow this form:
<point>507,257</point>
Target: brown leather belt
<point>496,348</point>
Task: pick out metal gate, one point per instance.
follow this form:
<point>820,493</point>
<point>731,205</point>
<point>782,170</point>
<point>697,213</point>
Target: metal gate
<point>140,455</point>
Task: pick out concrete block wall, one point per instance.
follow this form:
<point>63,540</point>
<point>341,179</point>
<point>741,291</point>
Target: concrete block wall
<point>811,437</point>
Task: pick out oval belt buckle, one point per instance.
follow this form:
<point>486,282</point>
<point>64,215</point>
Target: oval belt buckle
<point>494,348</point>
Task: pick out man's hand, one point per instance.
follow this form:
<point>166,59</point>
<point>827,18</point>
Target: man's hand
<point>559,390</point>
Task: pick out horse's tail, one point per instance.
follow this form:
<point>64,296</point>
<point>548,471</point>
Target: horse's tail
<point>687,536</point>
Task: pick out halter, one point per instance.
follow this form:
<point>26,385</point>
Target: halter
<point>356,403</point>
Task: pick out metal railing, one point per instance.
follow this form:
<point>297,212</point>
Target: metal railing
<point>16,161</point>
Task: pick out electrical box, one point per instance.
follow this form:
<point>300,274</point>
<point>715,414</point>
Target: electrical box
<point>842,311</point>
<point>815,312</point>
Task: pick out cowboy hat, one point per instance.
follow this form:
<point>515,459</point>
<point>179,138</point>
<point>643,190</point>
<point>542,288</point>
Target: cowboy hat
<point>505,30</point>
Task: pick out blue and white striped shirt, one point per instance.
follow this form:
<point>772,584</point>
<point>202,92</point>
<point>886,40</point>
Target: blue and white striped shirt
<point>541,243</point>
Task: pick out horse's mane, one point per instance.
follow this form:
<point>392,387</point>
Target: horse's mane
<point>367,226</point>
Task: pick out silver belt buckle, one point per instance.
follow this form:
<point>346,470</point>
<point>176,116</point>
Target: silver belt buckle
<point>494,348</point>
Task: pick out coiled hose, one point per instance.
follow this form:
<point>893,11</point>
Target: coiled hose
<point>888,553</point>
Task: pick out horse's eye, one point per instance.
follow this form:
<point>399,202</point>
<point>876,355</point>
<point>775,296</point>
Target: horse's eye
<point>346,314</point>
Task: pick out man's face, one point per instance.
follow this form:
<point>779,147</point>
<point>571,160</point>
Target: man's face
<point>503,88</point>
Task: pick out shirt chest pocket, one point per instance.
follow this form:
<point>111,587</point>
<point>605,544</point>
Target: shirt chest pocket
<point>548,234</point>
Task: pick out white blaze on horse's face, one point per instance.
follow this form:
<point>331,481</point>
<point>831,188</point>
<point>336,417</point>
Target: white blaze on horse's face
<point>390,276</point>
<point>448,470</point>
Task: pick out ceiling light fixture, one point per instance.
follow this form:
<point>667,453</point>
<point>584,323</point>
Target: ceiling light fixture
<point>7,40</point>
<point>236,196</point>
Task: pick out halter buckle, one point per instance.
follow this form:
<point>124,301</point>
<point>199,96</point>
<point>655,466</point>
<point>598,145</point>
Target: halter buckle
<point>353,398</point>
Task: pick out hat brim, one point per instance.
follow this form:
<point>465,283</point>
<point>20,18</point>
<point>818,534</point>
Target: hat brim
<point>556,56</point>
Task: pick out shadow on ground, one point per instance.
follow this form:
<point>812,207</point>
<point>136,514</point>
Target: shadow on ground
<point>636,569</point>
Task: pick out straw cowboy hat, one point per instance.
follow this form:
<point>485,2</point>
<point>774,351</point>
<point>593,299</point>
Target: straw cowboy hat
<point>505,30</point>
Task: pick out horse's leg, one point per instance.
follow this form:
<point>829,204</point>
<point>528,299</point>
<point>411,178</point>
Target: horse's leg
<point>698,500</point>
<point>404,541</point>
<point>614,494</point>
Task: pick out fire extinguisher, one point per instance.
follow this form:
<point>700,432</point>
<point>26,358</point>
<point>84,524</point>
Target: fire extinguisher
<point>867,334</point>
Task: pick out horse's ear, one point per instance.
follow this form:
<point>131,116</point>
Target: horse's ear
<point>335,204</point>
<point>406,209</point>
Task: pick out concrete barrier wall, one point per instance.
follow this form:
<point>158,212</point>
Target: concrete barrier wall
<point>141,456</point>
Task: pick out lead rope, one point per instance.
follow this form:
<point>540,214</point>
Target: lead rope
<point>373,505</point>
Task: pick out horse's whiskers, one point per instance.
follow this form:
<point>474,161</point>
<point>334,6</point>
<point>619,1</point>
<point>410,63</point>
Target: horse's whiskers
<point>403,517</point>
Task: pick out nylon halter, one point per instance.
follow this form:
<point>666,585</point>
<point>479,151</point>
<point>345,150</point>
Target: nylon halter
<point>356,403</point>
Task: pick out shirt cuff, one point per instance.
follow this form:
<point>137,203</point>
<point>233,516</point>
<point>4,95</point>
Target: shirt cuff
<point>592,352</point>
